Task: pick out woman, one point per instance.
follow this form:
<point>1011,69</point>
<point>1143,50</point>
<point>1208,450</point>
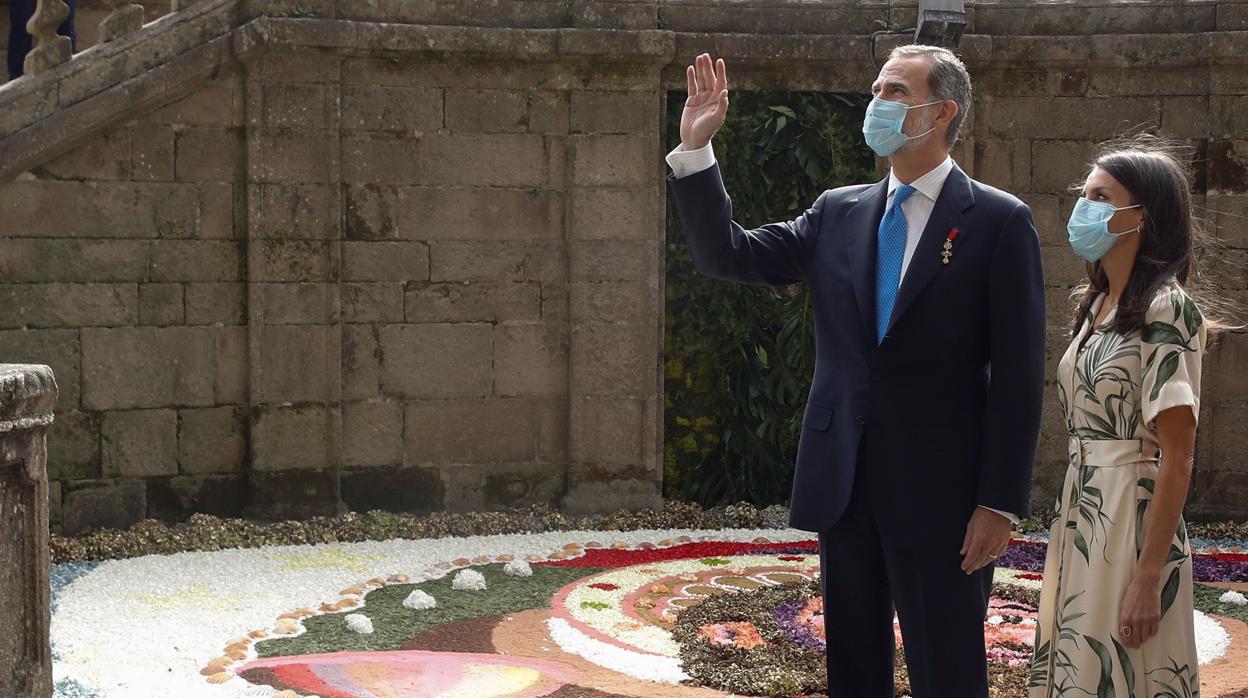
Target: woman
<point>1116,608</point>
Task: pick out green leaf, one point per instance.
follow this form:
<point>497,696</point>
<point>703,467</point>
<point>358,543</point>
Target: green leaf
<point>1170,591</point>
<point>1104,687</point>
<point>1082,545</point>
<point>1192,317</point>
<point>1164,333</point>
<point>1169,366</point>
<point>1128,669</point>
<point>784,110</point>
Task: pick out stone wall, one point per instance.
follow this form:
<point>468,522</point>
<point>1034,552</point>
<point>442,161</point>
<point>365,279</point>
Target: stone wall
<point>408,255</point>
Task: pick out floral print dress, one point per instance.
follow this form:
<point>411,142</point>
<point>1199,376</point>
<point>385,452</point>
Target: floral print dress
<point>1111,389</point>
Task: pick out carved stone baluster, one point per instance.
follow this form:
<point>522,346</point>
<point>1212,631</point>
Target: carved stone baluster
<point>27,396</point>
<point>125,18</point>
<point>50,49</point>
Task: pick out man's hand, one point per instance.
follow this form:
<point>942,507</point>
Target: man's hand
<point>707,104</point>
<point>987,535</point>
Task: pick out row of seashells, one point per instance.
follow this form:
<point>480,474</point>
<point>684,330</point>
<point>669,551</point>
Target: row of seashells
<point>290,623</point>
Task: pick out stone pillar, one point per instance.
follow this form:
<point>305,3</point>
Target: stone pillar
<point>27,395</point>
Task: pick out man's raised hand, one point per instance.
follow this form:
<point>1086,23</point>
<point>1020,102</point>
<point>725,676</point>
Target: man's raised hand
<point>707,104</point>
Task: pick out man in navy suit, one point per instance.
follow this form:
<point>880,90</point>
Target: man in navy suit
<point>920,430</point>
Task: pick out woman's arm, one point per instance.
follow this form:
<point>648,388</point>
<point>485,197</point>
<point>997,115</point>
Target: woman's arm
<point>1141,607</point>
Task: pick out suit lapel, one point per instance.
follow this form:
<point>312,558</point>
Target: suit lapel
<point>863,220</point>
<point>955,197</point>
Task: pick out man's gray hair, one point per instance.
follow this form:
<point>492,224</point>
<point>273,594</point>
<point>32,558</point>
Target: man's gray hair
<point>948,79</point>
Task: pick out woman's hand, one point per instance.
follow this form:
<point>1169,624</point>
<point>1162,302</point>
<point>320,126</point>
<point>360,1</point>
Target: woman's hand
<point>1141,610</point>
<point>707,105</point>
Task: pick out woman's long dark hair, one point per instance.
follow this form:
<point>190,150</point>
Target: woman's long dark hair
<point>1149,168</point>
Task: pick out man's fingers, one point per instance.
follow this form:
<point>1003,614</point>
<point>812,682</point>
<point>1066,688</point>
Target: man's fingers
<point>974,553</point>
<point>693,84</point>
<point>721,72</point>
<point>966,541</point>
<point>708,73</point>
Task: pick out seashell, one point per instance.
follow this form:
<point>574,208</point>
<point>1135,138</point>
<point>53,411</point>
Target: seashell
<point>290,615</point>
<point>620,546</point>
<point>468,580</point>
<point>481,559</point>
<point>647,545</point>
<point>356,590</point>
<point>285,694</point>
<point>443,566</point>
<point>665,543</point>
<point>572,547</point>
<point>329,607</point>
<point>258,634</point>
<point>419,600</point>
<point>518,568</point>
<point>305,612</point>
<point>397,579</point>
<point>220,661</point>
<point>557,556</point>
<point>377,581</point>
<point>235,647</point>
<point>504,558</point>
<point>220,677</point>
<point>534,558</point>
<point>593,544</point>
<point>347,603</point>
<point>244,640</point>
<point>211,669</point>
<point>683,539</point>
<point>461,562</point>
<point>359,623</point>
<point>237,655</point>
<point>762,540</point>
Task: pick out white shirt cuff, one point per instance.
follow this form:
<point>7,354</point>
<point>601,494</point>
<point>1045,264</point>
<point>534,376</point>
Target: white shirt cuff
<point>1013,518</point>
<point>687,162</point>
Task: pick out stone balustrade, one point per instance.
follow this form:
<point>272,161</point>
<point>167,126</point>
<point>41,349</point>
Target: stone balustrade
<point>27,396</point>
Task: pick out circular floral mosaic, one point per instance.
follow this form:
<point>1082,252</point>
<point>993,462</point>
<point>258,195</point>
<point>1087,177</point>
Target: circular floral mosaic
<point>732,612</point>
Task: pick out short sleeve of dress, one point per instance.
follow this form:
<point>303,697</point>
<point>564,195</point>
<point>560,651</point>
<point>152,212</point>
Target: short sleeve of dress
<point>1173,345</point>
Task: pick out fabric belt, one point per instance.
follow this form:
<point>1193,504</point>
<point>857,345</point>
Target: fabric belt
<point>1108,454</point>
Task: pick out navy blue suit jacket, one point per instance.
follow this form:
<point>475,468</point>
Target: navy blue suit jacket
<point>947,407</point>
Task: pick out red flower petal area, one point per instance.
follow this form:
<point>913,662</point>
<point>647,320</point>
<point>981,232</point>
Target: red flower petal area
<point>610,557</point>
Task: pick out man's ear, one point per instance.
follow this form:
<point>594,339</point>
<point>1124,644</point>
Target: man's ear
<point>948,110</point>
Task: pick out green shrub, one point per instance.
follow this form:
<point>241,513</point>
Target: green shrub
<point>738,357</point>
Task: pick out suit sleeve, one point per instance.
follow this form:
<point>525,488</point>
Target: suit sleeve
<point>1017,355</point>
<point>773,254</point>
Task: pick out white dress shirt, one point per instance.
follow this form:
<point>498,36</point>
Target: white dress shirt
<point>917,208</point>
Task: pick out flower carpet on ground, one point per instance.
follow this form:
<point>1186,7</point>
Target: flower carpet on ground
<point>596,614</point>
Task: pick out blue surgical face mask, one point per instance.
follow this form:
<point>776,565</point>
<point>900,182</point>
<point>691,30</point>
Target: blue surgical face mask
<point>1088,228</point>
<point>882,127</point>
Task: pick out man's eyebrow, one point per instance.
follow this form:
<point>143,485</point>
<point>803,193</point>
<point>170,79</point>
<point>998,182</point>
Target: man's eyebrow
<point>897,85</point>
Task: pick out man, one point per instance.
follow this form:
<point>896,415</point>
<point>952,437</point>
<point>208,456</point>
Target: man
<point>920,430</point>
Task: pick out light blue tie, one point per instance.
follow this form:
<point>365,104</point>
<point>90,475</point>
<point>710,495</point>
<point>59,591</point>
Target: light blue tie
<point>889,253</point>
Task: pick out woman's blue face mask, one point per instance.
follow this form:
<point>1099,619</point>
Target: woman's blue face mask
<point>1088,228</point>
<point>882,127</point>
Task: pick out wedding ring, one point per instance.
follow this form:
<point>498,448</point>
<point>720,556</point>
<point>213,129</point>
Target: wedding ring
<point>1126,631</point>
<point>993,557</point>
